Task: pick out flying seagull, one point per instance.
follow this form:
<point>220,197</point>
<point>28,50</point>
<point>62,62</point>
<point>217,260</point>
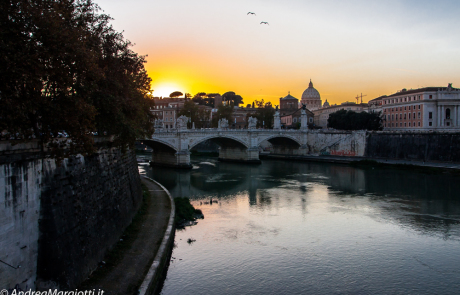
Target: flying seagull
<point>251,13</point>
<point>265,23</point>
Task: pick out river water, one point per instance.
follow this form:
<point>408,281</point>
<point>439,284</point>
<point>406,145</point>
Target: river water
<point>287,227</point>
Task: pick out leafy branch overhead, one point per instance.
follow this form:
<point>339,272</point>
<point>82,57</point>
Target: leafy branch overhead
<point>65,70</point>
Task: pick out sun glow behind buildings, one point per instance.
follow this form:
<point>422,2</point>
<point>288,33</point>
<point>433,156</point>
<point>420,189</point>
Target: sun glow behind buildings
<point>166,88</point>
<point>373,47</point>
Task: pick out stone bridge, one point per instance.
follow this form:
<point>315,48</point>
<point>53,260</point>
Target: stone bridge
<point>172,147</point>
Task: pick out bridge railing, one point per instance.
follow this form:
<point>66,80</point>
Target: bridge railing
<point>213,130</point>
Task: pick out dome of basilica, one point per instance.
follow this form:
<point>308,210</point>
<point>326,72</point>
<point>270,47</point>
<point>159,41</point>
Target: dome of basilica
<point>310,93</point>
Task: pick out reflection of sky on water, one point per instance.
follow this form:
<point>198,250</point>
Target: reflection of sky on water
<point>287,227</point>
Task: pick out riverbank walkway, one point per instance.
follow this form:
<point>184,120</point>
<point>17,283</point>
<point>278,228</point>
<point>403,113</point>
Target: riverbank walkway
<point>348,160</point>
<point>128,273</point>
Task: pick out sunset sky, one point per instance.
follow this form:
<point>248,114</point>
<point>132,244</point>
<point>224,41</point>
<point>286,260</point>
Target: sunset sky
<point>346,47</point>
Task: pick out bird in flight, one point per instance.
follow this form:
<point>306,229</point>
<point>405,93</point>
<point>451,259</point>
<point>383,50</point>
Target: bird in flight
<point>251,13</point>
<point>264,23</point>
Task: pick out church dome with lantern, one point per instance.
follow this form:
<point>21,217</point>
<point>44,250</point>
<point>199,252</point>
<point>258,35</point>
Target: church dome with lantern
<point>311,98</point>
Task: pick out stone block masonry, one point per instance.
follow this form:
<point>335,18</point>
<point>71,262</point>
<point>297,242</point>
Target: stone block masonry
<point>57,222</point>
<point>421,146</point>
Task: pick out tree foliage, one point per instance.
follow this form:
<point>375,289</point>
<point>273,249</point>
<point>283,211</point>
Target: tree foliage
<point>259,103</point>
<point>264,115</point>
<point>350,120</point>
<point>223,112</point>
<point>232,98</point>
<point>64,68</point>
<point>205,99</point>
<point>197,115</point>
<point>176,94</point>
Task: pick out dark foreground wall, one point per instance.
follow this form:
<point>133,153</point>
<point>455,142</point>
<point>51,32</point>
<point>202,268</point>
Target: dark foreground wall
<point>414,146</point>
<point>85,206</point>
<point>57,222</point>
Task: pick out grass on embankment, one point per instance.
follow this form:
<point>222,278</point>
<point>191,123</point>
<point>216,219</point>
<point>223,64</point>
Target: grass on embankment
<point>185,212</point>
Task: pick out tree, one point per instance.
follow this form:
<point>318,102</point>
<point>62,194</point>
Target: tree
<point>64,68</point>
<point>260,103</point>
<point>223,112</point>
<point>196,114</point>
<point>187,95</point>
<point>176,94</point>
<point>350,120</point>
<point>205,99</point>
<point>233,98</point>
<point>264,115</point>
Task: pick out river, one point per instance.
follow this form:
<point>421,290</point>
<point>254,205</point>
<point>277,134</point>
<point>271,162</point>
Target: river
<point>286,227</point>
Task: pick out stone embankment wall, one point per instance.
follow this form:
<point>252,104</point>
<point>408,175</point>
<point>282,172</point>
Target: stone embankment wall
<point>57,222</point>
<point>423,146</point>
<point>338,143</point>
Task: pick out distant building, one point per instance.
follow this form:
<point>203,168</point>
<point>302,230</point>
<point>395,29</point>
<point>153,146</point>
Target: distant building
<point>429,108</point>
<point>375,105</point>
<point>166,109</point>
<point>290,112</point>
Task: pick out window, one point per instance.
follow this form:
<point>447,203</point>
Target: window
<point>418,124</point>
<point>448,123</point>
<point>430,115</point>
<point>431,96</point>
<point>418,115</point>
<point>419,106</point>
<point>404,116</point>
<point>405,124</point>
<point>409,116</point>
<point>405,108</point>
<point>413,115</point>
<point>400,116</point>
<point>447,114</point>
<point>409,124</point>
<point>430,124</point>
<point>392,117</point>
<point>400,124</point>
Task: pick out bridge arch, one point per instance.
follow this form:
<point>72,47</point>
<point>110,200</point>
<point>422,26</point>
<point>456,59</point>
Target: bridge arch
<point>281,139</point>
<point>222,141</point>
<point>158,144</point>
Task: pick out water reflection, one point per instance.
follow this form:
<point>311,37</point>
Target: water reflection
<point>324,228</point>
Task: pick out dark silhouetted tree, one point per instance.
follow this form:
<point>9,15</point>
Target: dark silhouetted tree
<point>264,115</point>
<point>197,115</point>
<point>176,94</point>
<point>350,120</point>
<point>222,112</point>
<point>64,68</point>
<point>232,98</point>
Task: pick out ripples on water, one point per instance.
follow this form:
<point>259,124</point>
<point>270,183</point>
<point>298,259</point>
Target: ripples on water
<point>310,228</point>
